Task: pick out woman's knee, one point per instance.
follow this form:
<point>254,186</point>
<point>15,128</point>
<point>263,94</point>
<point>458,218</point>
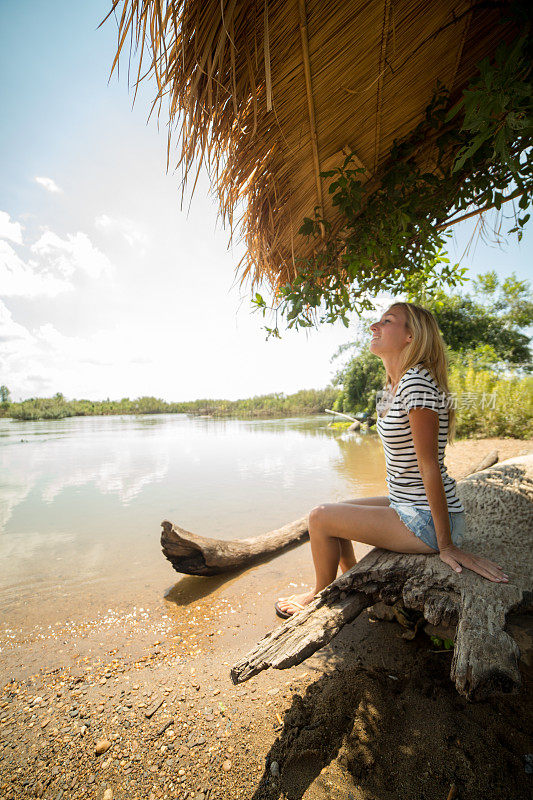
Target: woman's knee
<point>317,516</point>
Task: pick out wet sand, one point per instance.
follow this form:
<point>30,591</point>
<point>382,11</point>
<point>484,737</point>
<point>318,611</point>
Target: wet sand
<point>372,715</point>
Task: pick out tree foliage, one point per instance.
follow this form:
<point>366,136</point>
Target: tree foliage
<point>488,403</point>
<point>276,404</point>
<point>493,316</point>
<point>360,379</point>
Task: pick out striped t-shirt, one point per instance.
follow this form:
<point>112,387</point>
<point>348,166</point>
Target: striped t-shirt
<point>417,389</point>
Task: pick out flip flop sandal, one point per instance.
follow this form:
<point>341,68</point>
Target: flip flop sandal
<point>284,614</point>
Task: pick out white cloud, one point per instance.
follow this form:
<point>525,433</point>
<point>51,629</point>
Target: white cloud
<point>10,330</point>
<point>31,279</point>
<point>48,184</point>
<point>102,348</point>
<point>55,264</point>
<point>10,230</point>
<point>75,253</point>
<point>126,227</point>
<point>43,361</point>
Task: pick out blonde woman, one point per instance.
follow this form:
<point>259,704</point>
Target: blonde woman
<point>422,512</point>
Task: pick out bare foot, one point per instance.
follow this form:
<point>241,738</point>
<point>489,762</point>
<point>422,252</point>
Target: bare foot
<point>286,605</point>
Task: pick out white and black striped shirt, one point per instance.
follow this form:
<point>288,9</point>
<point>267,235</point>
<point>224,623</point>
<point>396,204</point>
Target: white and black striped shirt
<point>417,389</point>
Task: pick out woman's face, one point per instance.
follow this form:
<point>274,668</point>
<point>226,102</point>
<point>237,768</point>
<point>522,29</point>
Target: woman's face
<point>390,335</point>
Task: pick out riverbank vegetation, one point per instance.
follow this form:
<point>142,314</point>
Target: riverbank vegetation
<point>277,404</point>
<point>487,403</point>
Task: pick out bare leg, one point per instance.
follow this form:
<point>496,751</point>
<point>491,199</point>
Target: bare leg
<point>347,556</point>
<point>332,523</point>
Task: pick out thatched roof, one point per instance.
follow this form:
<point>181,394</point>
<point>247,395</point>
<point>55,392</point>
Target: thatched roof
<point>272,92</point>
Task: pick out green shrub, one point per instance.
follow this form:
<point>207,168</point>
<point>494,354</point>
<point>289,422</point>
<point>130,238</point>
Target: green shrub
<point>491,404</point>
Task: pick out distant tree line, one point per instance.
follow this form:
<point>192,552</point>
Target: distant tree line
<point>277,404</point>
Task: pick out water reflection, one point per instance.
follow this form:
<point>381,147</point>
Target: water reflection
<point>117,465</point>
<point>85,496</point>
<point>361,457</point>
<point>119,475</point>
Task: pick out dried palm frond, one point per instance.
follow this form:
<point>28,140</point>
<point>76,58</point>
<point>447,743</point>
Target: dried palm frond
<point>269,93</point>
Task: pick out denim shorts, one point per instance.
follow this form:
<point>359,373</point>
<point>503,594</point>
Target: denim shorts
<point>420,522</point>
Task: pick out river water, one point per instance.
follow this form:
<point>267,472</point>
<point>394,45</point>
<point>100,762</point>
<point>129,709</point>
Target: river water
<point>82,499</point>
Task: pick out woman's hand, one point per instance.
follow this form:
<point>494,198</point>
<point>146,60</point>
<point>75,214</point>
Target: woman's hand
<point>454,556</point>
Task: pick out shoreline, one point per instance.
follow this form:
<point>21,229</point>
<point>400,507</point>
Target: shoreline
<point>370,714</point>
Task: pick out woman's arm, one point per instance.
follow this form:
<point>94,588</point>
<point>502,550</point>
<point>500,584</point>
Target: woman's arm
<point>424,424</point>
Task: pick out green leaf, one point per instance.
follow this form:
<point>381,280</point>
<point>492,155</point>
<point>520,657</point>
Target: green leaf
<point>307,227</point>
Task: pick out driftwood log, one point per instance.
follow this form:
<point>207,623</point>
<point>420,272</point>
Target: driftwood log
<point>489,461</point>
<point>193,554</point>
<point>499,511</point>
<point>198,555</point>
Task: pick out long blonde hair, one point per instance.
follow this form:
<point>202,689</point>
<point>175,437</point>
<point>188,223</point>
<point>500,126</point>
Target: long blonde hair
<point>428,348</point>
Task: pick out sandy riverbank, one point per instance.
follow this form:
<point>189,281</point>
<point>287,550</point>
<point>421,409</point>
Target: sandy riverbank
<point>372,716</point>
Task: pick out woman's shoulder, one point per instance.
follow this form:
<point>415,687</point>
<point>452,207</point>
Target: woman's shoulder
<point>417,375</point>
<point>417,370</point>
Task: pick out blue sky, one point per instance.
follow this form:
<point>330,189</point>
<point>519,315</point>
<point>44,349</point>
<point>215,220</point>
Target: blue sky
<point>107,288</point>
